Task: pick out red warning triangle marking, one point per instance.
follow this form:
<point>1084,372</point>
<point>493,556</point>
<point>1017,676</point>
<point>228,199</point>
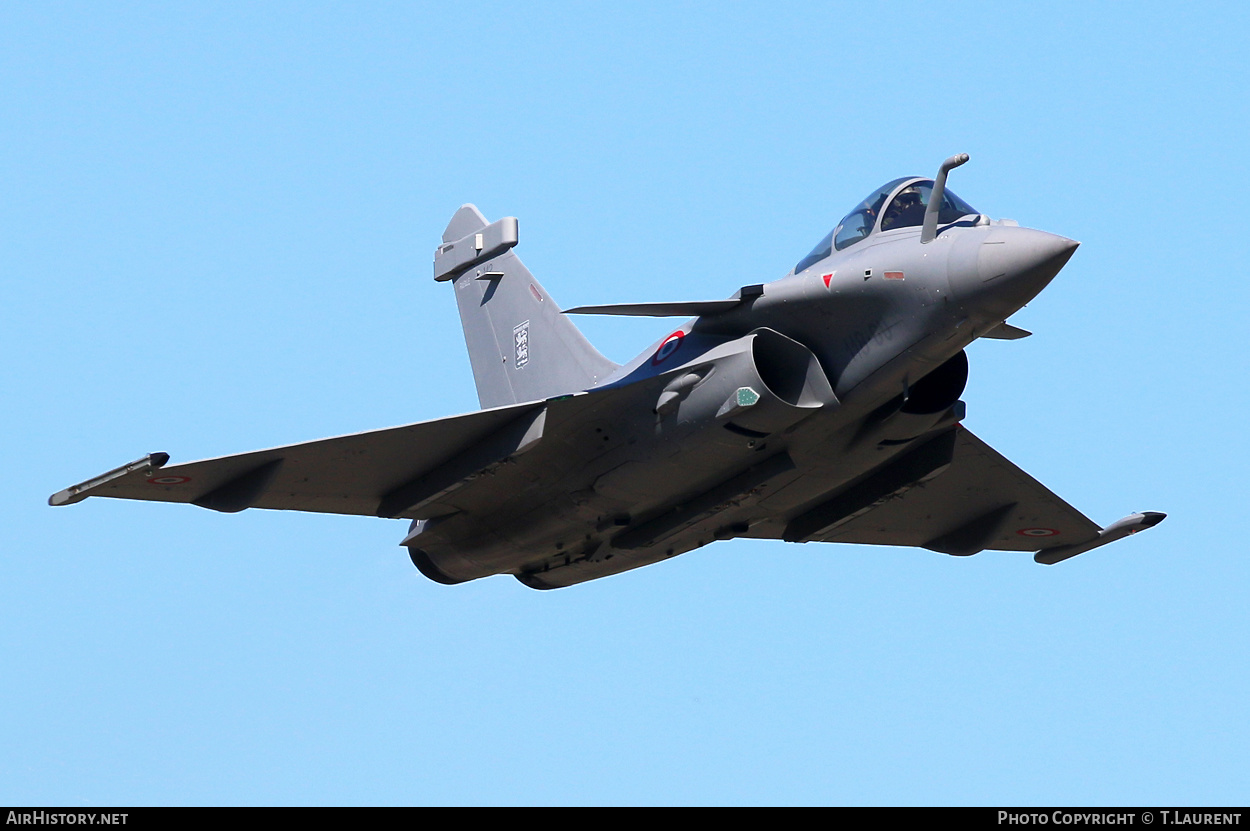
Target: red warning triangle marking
<point>827,278</point>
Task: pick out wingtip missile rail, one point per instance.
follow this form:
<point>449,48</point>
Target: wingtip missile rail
<point>1119,529</point>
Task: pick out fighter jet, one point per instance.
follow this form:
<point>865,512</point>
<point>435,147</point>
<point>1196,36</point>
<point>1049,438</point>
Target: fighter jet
<point>823,407</point>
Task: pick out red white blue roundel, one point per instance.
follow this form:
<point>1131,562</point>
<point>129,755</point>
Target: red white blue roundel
<point>670,345</point>
<point>169,480</point>
<point>1037,532</point>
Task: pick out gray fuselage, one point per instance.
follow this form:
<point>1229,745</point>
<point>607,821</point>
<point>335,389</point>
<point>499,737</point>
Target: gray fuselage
<point>852,360</point>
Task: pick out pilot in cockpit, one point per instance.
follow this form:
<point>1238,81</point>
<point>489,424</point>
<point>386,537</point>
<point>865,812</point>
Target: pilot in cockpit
<point>906,210</point>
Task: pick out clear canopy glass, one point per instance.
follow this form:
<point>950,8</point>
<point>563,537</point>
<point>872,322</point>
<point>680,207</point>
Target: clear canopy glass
<point>905,210</point>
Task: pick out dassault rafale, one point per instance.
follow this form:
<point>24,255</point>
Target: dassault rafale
<point>823,407</point>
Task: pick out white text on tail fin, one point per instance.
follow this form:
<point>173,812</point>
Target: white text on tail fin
<point>520,345</point>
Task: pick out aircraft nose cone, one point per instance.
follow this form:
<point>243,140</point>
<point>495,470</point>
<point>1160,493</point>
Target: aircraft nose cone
<point>1023,253</point>
<point>1011,266</point>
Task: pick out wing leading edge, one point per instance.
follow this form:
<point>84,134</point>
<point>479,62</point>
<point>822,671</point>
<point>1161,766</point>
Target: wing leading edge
<point>367,474</point>
<point>410,472</point>
<point>959,499</point>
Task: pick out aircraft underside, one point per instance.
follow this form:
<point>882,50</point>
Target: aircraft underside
<point>822,407</point>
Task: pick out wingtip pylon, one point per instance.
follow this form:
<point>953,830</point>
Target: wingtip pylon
<point>148,465</point>
<point>1131,524</point>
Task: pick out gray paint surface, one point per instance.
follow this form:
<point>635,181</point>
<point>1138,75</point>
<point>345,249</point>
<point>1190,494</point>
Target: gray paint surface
<point>823,407</point>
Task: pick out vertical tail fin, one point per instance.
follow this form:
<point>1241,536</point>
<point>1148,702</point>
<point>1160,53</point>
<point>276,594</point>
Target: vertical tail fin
<point>520,345</point>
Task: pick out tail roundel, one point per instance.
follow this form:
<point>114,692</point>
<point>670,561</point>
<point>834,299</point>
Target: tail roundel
<point>521,347</point>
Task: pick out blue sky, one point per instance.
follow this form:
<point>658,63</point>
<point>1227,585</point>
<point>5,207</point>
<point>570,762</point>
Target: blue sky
<point>216,236</point>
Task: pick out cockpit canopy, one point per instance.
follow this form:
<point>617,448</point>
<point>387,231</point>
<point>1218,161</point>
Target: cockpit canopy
<point>908,199</point>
